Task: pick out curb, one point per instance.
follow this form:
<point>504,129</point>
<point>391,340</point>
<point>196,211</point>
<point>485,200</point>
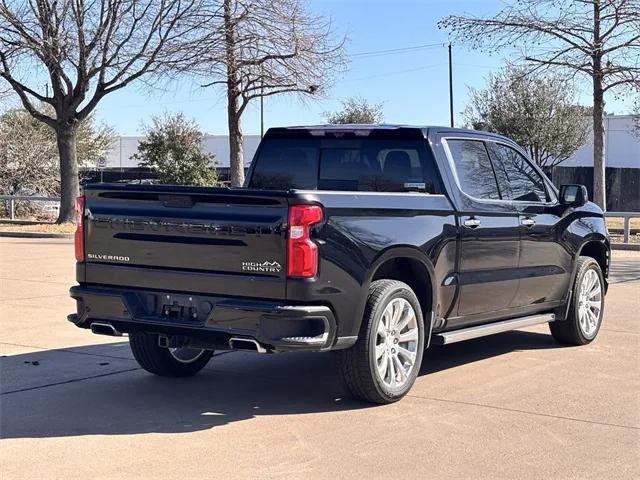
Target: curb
<point>626,246</point>
<point>36,235</point>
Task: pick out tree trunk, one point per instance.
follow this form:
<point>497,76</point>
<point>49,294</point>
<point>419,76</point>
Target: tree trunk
<point>69,181</point>
<point>236,160</point>
<point>599,193</point>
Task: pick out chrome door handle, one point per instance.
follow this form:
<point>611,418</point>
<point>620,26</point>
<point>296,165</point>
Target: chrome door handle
<point>528,222</point>
<point>471,222</point>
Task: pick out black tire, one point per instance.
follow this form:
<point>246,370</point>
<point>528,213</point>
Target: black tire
<point>358,366</point>
<point>568,331</point>
<point>160,361</point>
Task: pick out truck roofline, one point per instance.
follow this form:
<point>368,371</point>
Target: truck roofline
<point>382,127</point>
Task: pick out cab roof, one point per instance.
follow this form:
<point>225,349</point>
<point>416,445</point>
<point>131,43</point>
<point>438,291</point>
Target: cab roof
<point>361,129</point>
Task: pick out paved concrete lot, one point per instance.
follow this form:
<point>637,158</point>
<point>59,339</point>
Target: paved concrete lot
<point>516,405</point>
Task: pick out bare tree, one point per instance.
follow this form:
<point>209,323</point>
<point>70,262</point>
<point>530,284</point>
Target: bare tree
<point>537,111</point>
<point>86,50</point>
<point>5,92</point>
<point>356,110</point>
<point>599,39</point>
<point>636,117</point>
<point>29,155</point>
<point>260,48</point>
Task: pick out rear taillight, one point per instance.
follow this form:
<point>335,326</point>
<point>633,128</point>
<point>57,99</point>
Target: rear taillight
<point>303,252</point>
<point>79,237</point>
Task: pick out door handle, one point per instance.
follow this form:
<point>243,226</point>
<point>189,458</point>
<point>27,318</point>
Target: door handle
<point>471,222</point>
<point>528,222</point>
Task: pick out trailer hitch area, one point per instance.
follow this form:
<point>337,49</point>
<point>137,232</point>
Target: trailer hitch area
<point>179,311</point>
<point>174,341</point>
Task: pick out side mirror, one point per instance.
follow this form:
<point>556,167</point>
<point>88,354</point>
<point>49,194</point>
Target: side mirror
<point>573,195</point>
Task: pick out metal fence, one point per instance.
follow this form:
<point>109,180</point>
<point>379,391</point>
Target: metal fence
<point>12,199</point>
<point>627,216</point>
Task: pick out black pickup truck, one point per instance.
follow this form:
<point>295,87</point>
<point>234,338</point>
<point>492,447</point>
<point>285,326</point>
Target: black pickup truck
<point>370,241</point>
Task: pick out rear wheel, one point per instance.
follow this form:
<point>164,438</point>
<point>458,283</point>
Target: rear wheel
<point>167,362</point>
<point>587,306</point>
<point>383,364</point>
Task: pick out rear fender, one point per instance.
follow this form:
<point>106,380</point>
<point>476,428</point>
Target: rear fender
<point>402,252</point>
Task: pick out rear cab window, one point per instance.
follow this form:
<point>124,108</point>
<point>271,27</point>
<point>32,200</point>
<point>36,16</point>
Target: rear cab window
<point>345,164</point>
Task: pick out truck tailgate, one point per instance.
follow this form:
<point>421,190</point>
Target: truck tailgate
<point>219,237</point>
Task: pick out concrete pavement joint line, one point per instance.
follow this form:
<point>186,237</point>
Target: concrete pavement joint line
<point>625,281</point>
<point>78,353</point>
<point>65,295</point>
<point>63,350</point>
<point>515,410</point>
<point>68,381</point>
<point>34,281</point>
<point>618,331</point>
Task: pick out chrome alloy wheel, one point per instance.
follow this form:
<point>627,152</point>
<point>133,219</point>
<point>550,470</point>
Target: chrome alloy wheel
<point>590,303</point>
<point>186,354</point>
<point>396,343</point>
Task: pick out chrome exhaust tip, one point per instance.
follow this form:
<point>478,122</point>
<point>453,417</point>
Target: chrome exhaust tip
<point>237,343</point>
<point>100,328</point>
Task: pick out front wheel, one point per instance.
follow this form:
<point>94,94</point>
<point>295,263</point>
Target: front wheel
<point>383,364</point>
<point>587,306</point>
<point>167,362</point>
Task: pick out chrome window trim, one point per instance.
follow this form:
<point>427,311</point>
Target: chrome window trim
<point>364,192</point>
<point>454,170</point>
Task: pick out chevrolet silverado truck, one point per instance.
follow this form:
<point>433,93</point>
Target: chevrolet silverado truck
<point>369,241</point>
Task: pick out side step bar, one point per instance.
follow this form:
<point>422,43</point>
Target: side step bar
<point>445,338</point>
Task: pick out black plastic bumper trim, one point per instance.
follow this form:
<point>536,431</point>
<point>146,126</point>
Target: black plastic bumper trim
<point>272,324</point>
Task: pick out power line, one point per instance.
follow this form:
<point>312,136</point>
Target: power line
<point>389,74</point>
<point>393,51</point>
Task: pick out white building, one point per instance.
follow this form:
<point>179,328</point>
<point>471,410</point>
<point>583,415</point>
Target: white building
<point>121,153</point>
<point>622,148</point>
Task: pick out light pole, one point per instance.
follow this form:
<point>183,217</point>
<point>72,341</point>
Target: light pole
<point>262,107</point>
<point>450,86</point>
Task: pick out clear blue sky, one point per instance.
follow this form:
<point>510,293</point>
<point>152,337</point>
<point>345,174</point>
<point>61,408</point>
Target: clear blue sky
<point>412,86</point>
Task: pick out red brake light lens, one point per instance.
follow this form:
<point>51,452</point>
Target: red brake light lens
<point>303,252</point>
<point>79,236</point>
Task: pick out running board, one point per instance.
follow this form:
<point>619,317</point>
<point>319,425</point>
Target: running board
<point>454,336</point>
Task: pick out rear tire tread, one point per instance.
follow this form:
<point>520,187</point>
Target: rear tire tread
<point>353,363</point>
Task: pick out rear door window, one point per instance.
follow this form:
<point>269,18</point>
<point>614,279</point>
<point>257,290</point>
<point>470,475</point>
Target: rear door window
<point>473,168</point>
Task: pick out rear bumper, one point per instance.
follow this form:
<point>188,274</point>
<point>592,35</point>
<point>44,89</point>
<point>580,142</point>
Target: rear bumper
<point>208,321</point>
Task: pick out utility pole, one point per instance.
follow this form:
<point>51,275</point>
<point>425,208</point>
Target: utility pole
<point>261,107</point>
<point>450,86</point>
<point>261,101</point>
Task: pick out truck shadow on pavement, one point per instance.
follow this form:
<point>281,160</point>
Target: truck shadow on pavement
<point>99,389</point>
<point>624,271</point>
